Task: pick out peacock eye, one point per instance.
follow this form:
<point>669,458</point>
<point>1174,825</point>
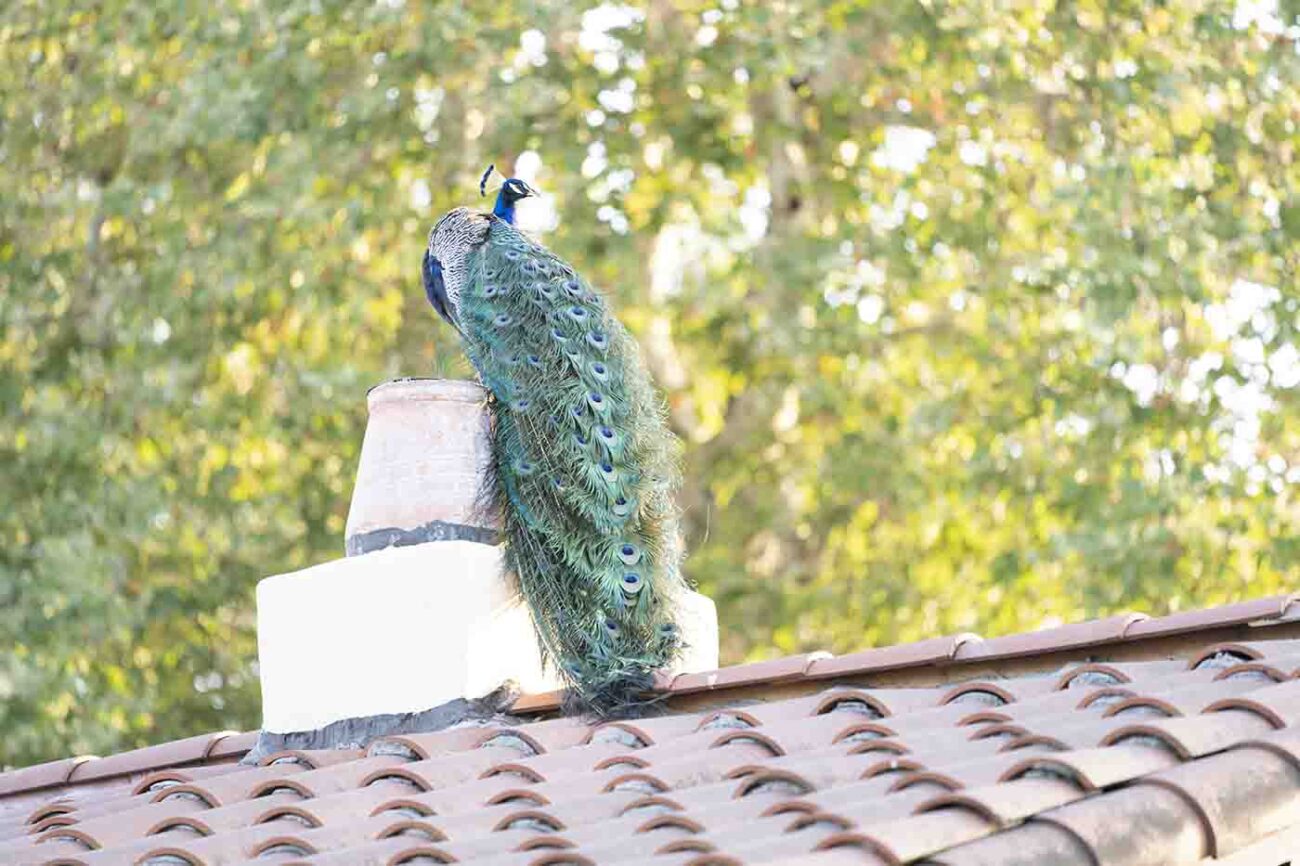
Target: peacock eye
<point>607,468</point>
<point>632,582</point>
<point>558,336</point>
<point>502,320</point>
<point>534,361</point>
<point>629,554</point>
<point>596,339</point>
<point>606,433</point>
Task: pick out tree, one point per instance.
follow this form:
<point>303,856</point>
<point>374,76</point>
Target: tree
<point>971,317</point>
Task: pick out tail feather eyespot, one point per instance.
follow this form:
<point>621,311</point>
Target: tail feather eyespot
<point>629,554</point>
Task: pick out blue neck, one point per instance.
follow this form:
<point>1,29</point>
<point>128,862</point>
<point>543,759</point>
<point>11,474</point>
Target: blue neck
<point>505,207</point>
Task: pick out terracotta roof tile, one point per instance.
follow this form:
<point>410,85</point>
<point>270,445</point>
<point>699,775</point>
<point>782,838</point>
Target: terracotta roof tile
<point>775,670</point>
<point>952,751</point>
<point>41,775</point>
<point>1193,736</point>
<point>1285,742</point>
<point>1007,803</point>
<point>1099,768</point>
<point>934,650</point>
<point>1242,795</point>
<point>916,836</point>
<point>1249,650</point>
<point>1141,824</point>
<point>1097,631</point>
<point>1109,673</point>
<point>1274,607</point>
<point>1279,704</point>
<point>191,750</point>
<point>1031,843</point>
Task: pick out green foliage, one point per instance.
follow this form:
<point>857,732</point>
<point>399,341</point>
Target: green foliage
<point>972,315</point>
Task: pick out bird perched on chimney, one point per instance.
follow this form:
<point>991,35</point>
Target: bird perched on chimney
<point>586,469</point>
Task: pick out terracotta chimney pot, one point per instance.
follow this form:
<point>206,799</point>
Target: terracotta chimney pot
<point>423,460</point>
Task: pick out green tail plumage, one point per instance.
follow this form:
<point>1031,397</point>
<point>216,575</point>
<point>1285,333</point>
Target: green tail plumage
<point>586,468</point>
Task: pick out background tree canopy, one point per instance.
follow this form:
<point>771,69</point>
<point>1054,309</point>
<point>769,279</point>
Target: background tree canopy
<point>974,316</point>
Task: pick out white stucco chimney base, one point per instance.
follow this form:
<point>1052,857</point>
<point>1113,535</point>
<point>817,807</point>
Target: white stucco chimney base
<point>408,628</point>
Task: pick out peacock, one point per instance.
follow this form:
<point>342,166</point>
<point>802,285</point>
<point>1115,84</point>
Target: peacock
<point>586,468</point>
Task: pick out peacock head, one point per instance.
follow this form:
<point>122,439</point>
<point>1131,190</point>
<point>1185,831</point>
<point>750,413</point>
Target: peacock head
<point>512,191</point>
<point>515,189</point>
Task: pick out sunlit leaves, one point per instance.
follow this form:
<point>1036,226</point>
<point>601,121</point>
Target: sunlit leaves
<point>953,304</point>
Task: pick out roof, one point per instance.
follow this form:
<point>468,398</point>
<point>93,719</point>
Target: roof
<point>1125,740</point>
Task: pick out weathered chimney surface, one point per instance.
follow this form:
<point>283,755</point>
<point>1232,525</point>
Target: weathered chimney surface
<point>423,461</point>
<point>421,612</point>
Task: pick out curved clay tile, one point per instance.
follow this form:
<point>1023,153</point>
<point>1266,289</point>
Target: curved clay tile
<point>1279,704</point>
<point>1195,736</point>
<point>916,836</point>
<point>1007,803</point>
<point>1095,769</point>
<point>1136,824</point>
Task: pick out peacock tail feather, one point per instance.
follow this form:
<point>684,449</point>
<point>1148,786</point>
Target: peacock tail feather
<point>586,468</point>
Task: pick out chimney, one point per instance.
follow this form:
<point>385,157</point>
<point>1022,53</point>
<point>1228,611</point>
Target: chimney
<point>421,610</point>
